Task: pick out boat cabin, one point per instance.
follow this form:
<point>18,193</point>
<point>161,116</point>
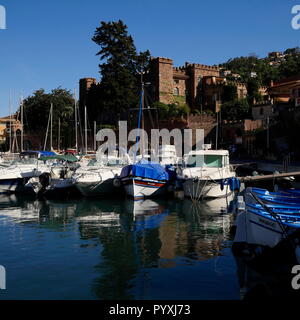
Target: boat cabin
<point>207,158</point>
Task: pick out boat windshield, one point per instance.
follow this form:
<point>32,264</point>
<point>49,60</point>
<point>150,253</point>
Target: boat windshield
<point>208,160</point>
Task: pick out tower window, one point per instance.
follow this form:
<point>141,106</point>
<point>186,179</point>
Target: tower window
<point>176,91</point>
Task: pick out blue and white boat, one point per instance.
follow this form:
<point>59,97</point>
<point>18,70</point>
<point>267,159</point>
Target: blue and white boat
<point>281,197</point>
<point>145,179</point>
<point>267,224</point>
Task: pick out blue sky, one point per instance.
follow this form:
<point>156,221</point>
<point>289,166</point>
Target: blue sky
<point>48,43</point>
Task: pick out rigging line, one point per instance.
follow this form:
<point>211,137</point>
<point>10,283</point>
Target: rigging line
<point>275,216</point>
<point>138,138</point>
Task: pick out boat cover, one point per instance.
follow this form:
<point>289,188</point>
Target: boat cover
<point>146,169</point>
<point>37,153</point>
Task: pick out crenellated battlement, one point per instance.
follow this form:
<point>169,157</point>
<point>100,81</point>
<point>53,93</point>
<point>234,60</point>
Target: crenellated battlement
<point>163,60</point>
<point>201,66</point>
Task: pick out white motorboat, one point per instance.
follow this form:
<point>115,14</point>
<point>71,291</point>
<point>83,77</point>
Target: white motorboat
<point>19,172</point>
<point>207,174</point>
<point>100,177</point>
<point>58,180</point>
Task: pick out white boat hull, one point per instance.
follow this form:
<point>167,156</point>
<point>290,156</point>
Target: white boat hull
<point>262,231</point>
<point>197,189</point>
<point>99,182</point>
<point>139,188</point>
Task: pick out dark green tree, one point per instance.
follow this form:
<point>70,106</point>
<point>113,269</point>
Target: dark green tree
<point>291,65</point>
<point>236,110</point>
<point>37,110</point>
<point>121,68</point>
<point>229,93</point>
<point>253,90</point>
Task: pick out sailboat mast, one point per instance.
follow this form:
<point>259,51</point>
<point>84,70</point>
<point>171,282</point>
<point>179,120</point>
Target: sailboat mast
<point>95,132</point>
<point>85,129</point>
<point>51,124</point>
<point>217,130</point>
<point>76,121</point>
<point>58,142</point>
<point>22,125</point>
<point>143,121</point>
<point>10,123</point>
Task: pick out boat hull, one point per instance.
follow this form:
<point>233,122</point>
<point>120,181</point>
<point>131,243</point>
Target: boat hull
<point>89,189</point>
<point>140,188</point>
<point>197,189</point>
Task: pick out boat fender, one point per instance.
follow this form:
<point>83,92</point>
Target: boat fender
<point>117,183</point>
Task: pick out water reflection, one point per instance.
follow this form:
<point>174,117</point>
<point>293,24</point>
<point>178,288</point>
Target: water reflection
<point>256,285</point>
<point>132,239</point>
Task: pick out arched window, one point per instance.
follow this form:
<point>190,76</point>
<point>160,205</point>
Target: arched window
<point>176,91</point>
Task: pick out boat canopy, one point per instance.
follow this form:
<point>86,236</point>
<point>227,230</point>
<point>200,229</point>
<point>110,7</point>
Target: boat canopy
<point>66,157</point>
<point>146,169</point>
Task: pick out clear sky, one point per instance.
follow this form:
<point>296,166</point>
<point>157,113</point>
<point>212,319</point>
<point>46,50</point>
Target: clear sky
<point>48,43</point>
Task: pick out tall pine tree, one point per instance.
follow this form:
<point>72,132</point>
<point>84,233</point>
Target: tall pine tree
<point>120,69</point>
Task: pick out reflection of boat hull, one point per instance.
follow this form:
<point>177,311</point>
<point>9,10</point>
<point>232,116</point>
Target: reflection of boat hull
<point>59,188</point>
<point>10,185</point>
<point>205,189</point>
<point>139,188</point>
<point>146,206</point>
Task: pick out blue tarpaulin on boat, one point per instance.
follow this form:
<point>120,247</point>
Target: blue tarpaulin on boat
<point>40,153</point>
<point>145,169</point>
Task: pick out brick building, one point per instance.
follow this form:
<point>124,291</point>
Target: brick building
<point>198,85</point>
<point>184,84</point>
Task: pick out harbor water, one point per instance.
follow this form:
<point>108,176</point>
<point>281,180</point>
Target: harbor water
<point>116,249</point>
<point>110,249</point>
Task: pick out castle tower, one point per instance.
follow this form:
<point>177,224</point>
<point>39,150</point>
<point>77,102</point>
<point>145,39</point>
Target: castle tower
<point>162,79</point>
<point>197,72</point>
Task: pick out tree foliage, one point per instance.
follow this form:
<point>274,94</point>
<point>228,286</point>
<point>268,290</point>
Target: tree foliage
<point>267,69</point>
<point>120,68</point>
<point>37,110</point>
<point>229,93</point>
<point>174,110</point>
<point>236,110</point>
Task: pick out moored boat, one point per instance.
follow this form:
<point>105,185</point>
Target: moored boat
<point>264,226</point>
<point>208,174</point>
<point>145,179</point>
